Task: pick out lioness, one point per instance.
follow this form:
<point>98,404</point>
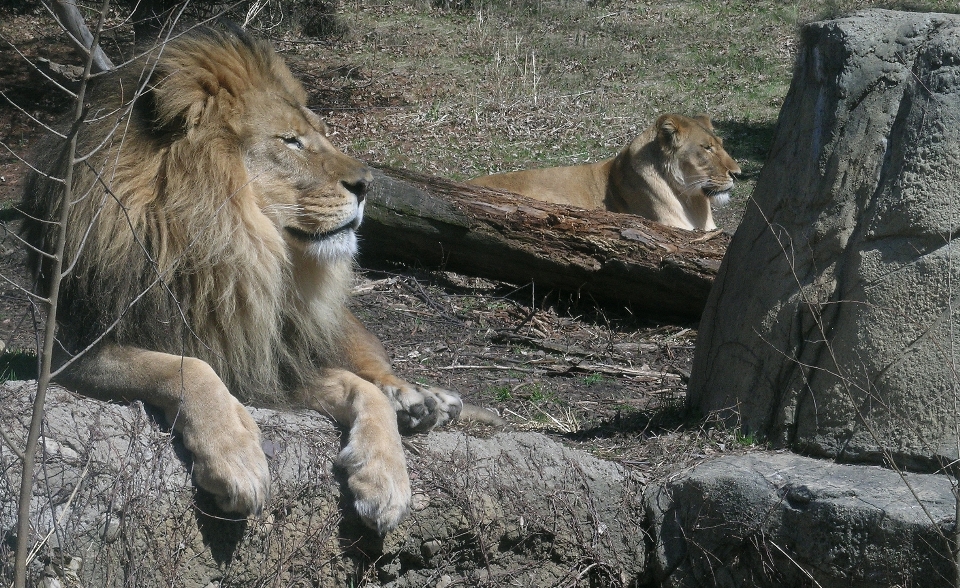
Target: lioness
<point>210,251</point>
<point>671,174</point>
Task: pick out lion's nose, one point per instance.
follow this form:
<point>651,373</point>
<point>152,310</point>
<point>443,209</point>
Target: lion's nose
<point>358,187</point>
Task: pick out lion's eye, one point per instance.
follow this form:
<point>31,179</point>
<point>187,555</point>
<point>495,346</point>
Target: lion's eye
<point>708,147</point>
<point>292,142</point>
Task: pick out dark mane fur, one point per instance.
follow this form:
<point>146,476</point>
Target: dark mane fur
<point>164,252</point>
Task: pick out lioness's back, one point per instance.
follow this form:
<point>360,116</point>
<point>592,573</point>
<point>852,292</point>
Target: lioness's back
<point>670,173</point>
<point>583,186</point>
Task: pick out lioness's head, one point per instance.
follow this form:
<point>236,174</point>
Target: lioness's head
<point>311,192</point>
<point>694,157</point>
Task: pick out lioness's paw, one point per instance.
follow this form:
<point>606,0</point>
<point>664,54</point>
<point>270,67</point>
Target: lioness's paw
<point>229,462</point>
<point>421,408</point>
<point>377,477</point>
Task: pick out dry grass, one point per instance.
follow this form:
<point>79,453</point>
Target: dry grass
<point>503,85</point>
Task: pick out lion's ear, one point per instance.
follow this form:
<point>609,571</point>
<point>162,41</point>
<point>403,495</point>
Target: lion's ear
<point>203,77</point>
<point>181,97</point>
<point>705,121</point>
<point>670,130</point>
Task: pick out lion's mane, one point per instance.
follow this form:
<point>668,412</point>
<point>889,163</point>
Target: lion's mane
<point>165,245</point>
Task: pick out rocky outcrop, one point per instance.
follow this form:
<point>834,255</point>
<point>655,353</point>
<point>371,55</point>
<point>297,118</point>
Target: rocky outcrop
<point>777,519</point>
<point>113,499</point>
<point>113,506</point>
<point>831,328</point>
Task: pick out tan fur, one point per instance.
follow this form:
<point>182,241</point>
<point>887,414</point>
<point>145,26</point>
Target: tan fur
<point>670,174</point>
<point>211,247</point>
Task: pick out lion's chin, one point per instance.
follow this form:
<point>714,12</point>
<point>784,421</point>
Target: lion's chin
<point>719,198</point>
<point>340,246</point>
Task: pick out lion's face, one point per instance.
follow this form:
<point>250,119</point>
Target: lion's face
<point>313,193</point>
<point>696,157</point>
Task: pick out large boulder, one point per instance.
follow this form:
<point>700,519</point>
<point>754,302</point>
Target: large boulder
<point>831,325</point>
<point>768,520</point>
<point>114,506</point>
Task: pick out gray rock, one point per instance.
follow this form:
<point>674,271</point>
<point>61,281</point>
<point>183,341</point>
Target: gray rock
<point>777,519</point>
<point>830,328</point>
<point>515,507</point>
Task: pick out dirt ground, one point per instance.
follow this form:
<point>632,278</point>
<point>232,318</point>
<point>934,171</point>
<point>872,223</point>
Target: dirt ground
<point>603,379</point>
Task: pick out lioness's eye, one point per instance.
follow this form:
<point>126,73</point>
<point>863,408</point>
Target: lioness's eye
<point>708,147</point>
<point>292,142</point>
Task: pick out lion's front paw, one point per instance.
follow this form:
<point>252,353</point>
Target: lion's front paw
<point>421,408</point>
<point>377,477</point>
<point>229,462</point>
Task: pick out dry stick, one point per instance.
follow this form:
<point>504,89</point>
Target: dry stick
<point>63,514</point>
<point>11,445</point>
<point>43,380</point>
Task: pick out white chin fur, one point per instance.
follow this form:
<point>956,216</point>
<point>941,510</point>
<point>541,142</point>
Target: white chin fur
<point>341,246</point>
<point>720,198</point>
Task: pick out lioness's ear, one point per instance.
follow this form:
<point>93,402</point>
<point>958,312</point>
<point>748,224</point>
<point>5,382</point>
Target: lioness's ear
<point>669,130</point>
<point>705,121</point>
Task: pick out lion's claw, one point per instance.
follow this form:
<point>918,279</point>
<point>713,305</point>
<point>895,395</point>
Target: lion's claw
<point>421,408</point>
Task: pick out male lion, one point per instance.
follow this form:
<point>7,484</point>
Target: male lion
<point>671,174</point>
<point>210,252</point>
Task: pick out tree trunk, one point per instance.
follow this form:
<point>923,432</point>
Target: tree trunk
<point>493,234</point>
<point>72,21</point>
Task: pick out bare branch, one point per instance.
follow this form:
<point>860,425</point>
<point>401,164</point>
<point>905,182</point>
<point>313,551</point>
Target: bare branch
<point>11,445</point>
<point>23,290</point>
<point>48,128</point>
<point>71,93</point>
<point>46,356</point>
<point>28,164</point>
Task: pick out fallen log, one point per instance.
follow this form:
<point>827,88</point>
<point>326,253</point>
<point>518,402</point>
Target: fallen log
<point>437,223</point>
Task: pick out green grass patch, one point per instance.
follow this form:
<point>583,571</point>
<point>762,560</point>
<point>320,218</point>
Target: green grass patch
<point>501,393</point>
<point>539,394</point>
<point>746,439</point>
<point>594,379</point>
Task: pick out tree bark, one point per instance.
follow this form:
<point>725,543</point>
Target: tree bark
<point>487,233</point>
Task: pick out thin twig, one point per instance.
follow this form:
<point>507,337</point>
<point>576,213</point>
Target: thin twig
<point>794,562</point>
<point>487,367</point>
<point>64,511</point>
<point>11,445</point>
<point>49,336</point>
